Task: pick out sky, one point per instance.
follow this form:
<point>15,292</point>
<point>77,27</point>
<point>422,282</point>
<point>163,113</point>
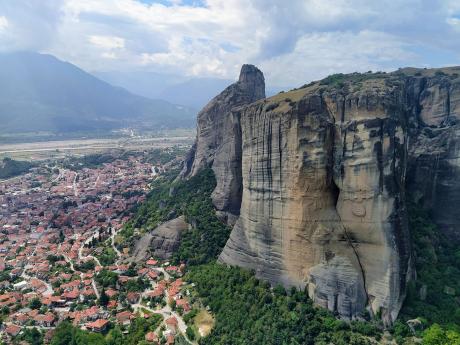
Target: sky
<point>291,41</point>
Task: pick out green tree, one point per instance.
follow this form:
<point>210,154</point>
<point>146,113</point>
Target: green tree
<point>31,336</point>
<point>115,336</point>
<point>103,298</point>
<point>61,236</point>
<point>437,335</point>
<point>190,333</point>
<point>63,335</point>
<point>35,303</point>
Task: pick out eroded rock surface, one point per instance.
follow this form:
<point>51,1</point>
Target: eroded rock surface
<point>218,141</point>
<point>162,241</point>
<point>325,173</point>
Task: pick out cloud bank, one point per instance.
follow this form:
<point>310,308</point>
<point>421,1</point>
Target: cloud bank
<point>292,41</point>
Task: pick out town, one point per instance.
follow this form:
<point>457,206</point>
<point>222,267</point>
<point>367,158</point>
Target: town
<point>59,259</point>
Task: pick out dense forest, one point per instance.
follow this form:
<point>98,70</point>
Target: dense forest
<point>249,311</point>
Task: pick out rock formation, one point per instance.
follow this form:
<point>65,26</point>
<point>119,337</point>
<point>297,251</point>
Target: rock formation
<point>162,241</point>
<point>317,179</point>
<point>218,142</point>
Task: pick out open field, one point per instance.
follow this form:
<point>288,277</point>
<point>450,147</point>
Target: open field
<point>204,322</point>
<point>59,149</point>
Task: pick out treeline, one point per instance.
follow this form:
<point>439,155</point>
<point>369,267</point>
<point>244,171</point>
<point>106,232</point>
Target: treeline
<point>90,161</point>
<point>435,295</point>
<point>249,311</point>
<point>67,334</point>
<point>11,168</point>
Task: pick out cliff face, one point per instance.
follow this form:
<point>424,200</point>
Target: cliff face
<point>323,173</point>
<point>218,142</point>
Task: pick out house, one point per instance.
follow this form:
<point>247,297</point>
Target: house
<point>170,340</point>
<point>183,304</point>
<point>91,314</point>
<point>13,330</point>
<point>151,337</point>
<point>21,285</point>
<point>111,293</point>
<point>98,326</point>
<point>172,324</point>
<point>21,319</point>
<point>152,275</point>
<point>152,262</point>
<point>172,269</point>
<point>112,304</point>
<point>45,320</point>
<point>157,293</point>
<point>54,301</point>
<point>174,292</point>
<point>124,318</point>
<point>133,297</point>
<point>142,272</point>
<point>71,295</point>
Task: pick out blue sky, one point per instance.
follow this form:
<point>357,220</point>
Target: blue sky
<point>292,41</point>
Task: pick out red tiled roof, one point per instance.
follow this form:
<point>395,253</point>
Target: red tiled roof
<point>172,321</point>
<point>99,323</point>
<point>13,330</point>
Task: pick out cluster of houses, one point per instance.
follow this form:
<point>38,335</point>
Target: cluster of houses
<point>46,219</point>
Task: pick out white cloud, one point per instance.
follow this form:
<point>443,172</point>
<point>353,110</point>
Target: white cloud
<point>317,55</point>
<point>291,40</point>
<point>107,42</point>
<point>454,23</point>
<point>3,23</point>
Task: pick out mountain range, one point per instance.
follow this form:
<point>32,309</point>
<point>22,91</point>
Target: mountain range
<point>42,93</point>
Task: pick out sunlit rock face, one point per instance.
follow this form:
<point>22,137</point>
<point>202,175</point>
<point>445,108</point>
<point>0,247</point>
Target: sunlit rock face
<point>317,180</point>
<point>319,207</point>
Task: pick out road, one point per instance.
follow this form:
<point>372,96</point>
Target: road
<point>75,189</point>
<point>66,258</point>
<point>59,175</point>
<point>112,239</point>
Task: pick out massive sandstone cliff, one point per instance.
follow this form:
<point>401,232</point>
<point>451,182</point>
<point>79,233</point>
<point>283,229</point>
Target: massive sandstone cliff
<point>316,180</point>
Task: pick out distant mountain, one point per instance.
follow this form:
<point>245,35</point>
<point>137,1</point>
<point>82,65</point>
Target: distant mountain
<point>192,92</point>
<point>41,93</point>
<point>195,92</point>
<point>142,83</point>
